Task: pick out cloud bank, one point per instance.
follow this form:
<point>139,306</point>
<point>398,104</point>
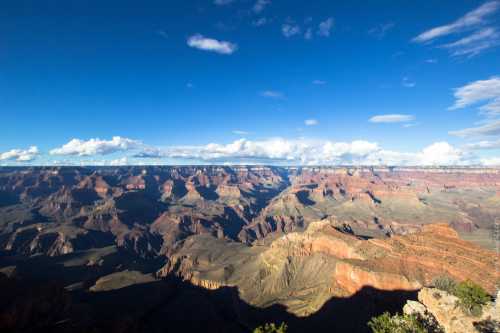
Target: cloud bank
<point>91,147</point>
<point>20,155</point>
<point>313,152</point>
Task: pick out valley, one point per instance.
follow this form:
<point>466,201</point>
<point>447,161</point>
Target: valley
<point>242,245</point>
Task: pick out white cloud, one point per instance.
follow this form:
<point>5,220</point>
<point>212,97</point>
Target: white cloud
<point>239,132</point>
<point>441,153</point>
<point>290,30</point>
<point>319,82</point>
<point>482,34</point>
<point>97,147</point>
<point>485,93</point>
<point>311,122</point>
<point>392,118</point>
<point>318,152</point>
<point>484,145</point>
<point>212,45</point>
<point>150,152</point>
<point>325,27</point>
<point>491,109</point>
<point>492,161</point>
<point>272,94</point>
<point>20,155</point>
<point>260,5</point>
<point>481,91</point>
<point>489,129</point>
<point>475,43</point>
<point>119,161</point>
<point>431,61</point>
<point>471,19</point>
<point>408,125</point>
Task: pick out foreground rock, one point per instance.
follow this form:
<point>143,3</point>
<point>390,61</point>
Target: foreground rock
<point>443,307</point>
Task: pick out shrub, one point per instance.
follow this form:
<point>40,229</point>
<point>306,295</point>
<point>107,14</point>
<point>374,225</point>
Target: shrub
<point>271,328</point>
<point>385,323</point>
<point>471,297</point>
<point>445,283</point>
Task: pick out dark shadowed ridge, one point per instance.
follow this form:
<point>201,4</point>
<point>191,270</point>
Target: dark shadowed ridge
<point>172,305</point>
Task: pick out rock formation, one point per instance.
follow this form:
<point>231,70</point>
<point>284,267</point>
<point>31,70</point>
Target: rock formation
<point>443,307</point>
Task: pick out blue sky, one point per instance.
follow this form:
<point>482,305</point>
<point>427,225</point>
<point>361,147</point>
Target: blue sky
<point>250,81</point>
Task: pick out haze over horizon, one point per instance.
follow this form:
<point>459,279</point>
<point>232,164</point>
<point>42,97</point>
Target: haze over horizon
<point>250,82</point>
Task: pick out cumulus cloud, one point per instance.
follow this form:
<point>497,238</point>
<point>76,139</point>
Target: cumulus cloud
<point>200,42</point>
<point>311,122</point>
<point>290,30</point>
<point>442,153</point>
<point>20,155</point>
<point>260,5</point>
<point>272,94</point>
<point>97,146</point>
<point>471,19</point>
<point>316,152</point>
<point>325,27</point>
<point>150,152</point>
<point>392,118</point>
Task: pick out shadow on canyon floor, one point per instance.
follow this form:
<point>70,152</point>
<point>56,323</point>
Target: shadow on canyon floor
<point>172,305</point>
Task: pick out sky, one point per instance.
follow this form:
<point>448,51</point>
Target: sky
<point>281,82</point>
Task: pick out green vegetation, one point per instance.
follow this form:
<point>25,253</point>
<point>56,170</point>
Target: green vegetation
<point>471,297</point>
<point>271,328</point>
<point>445,283</point>
<point>385,323</point>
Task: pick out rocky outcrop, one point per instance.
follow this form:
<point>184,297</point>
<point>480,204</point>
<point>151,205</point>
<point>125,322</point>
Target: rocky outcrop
<point>322,262</point>
<point>353,278</point>
<point>443,307</point>
<point>228,191</point>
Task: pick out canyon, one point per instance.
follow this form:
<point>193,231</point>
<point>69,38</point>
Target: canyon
<point>299,244</point>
